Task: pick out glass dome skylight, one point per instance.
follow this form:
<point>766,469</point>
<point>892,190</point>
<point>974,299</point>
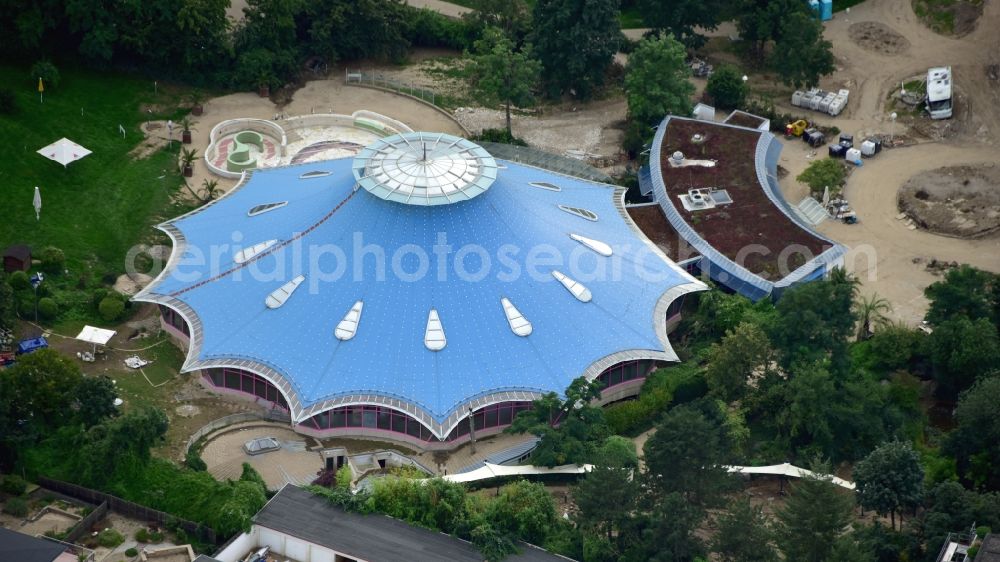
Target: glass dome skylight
<point>425,169</point>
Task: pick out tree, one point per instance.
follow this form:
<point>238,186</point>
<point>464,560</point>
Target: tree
<point>680,18</point>
<point>743,354</point>
<point>575,41</point>
<point>823,173</point>
<point>814,323</point>
<point>523,509</point>
<point>727,88</point>
<point>686,455</point>
<point>510,16</point>
<point>964,291</point>
<point>607,496</point>
<point>801,55</point>
<point>111,308</point>
<point>250,474</point>
<point>8,305</point>
<point>569,429</point>
<point>962,351</point>
<point>656,81</point>
<point>813,518</point>
<point>871,313</point>
<point>502,74</point>
<point>491,543</point>
<point>890,480</point>
<point>759,22</point>
<point>744,534</point>
<point>975,442</point>
<point>667,532</point>
<point>95,400</point>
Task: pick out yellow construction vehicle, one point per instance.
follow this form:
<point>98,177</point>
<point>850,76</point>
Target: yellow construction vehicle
<point>796,129</point>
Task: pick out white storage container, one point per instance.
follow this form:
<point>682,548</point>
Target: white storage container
<point>815,101</point>
<point>853,155</point>
<point>836,106</point>
<point>824,104</point>
<point>868,148</point>
<point>844,93</point>
<point>797,98</point>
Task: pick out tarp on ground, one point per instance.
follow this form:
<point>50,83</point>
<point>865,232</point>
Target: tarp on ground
<point>96,336</point>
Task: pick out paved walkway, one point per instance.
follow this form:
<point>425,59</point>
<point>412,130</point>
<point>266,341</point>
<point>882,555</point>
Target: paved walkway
<point>443,8</point>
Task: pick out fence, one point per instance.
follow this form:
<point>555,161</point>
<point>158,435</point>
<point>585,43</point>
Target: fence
<point>270,415</point>
<point>360,77</point>
<point>129,509</point>
<point>87,523</point>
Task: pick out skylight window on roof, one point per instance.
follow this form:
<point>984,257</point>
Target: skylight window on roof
<point>246,254</point>
<point>282,293</point>
<point>595,245</point>
<point>579,291</point>
<point>348,327</point>
<point>261,209</point>
<point>518,323</point>
<point>314,174</point>
<point>545,185</point>
<point>582,213</point>
<point>434,333</point>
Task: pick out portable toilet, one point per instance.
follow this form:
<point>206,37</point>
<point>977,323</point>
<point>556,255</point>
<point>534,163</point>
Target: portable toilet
<point>814,6</point>
<point>825,10</point>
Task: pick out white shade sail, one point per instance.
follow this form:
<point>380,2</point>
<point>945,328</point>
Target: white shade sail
<point>96,336</point>
<point>64,151</point>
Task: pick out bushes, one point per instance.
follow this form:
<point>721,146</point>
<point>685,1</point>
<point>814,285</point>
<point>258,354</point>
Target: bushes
<point>53,260</point>
<point>17,507</point>
<point>131,552</point>
<point>47,72</point>
<point>665,387</point>
<point>726,87</point>
<point>823,173</point>
<point>430,29</point>
<point>499,135</point>
<point>47,309</point>
<point>148,537</point>
<point>8,102</point>
<point>110,538</point>
<point>194,461</point>
<point>111,308</point>
<point>19,281</point>
<point>14,485</point>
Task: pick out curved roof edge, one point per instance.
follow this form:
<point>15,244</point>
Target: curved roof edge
<point>441,428</point>
<point>765,164</point>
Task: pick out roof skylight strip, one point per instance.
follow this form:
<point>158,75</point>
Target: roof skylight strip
<point>580,212</point>
<point>314,174</point>
<point>279,296</point>
<point>595,245</point>
<point>579,291</point>
<point>518,323</point>
<point>348,327</point>
<point>261,209</point>
<point>545,185</point>
<point>246,254</point>
<point>434,338</point>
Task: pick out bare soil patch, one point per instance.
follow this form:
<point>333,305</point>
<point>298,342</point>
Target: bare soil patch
<point>962,201</point>
<point>878,37</point>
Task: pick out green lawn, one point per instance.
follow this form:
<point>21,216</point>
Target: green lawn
<point>101,205</point>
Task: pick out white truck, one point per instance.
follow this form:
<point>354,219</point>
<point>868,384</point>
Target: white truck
<point>939,103</point>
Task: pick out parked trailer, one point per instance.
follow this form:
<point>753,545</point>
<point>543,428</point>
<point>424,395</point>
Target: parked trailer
<point>939,96</point>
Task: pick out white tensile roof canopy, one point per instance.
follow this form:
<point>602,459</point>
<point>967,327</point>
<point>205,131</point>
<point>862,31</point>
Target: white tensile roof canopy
<point>96,336</point>
<point>64,151</point>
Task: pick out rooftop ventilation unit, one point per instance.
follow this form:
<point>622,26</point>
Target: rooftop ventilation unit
<point>704,198</point>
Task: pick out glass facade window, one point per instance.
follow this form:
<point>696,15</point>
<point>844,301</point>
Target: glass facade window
<point>624,372</point>
<point>171,318</point>
<point>246,382</point>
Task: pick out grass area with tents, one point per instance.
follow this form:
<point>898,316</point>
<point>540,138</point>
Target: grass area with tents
<point>96,208</point>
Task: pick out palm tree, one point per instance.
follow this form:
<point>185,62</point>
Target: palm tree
<point>211,190</point>
<point>188,156</point>
<point>871,313</point>
<point>839,275</point>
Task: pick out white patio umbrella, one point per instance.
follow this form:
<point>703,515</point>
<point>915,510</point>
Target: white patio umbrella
<point>826,196</point>
<point>38,204</point>
<point>64,151</point>
<point>95,336</point>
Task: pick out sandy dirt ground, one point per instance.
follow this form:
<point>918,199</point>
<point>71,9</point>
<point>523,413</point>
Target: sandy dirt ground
<point>292,463</point>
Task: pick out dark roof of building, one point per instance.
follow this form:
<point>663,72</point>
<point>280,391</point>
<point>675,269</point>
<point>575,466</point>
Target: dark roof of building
<point>989,550</point>
<point>25,548</point>
<point>19,251</point>
<point>376,538</point>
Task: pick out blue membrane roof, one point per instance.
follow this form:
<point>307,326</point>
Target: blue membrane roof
<point>403,261</point>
